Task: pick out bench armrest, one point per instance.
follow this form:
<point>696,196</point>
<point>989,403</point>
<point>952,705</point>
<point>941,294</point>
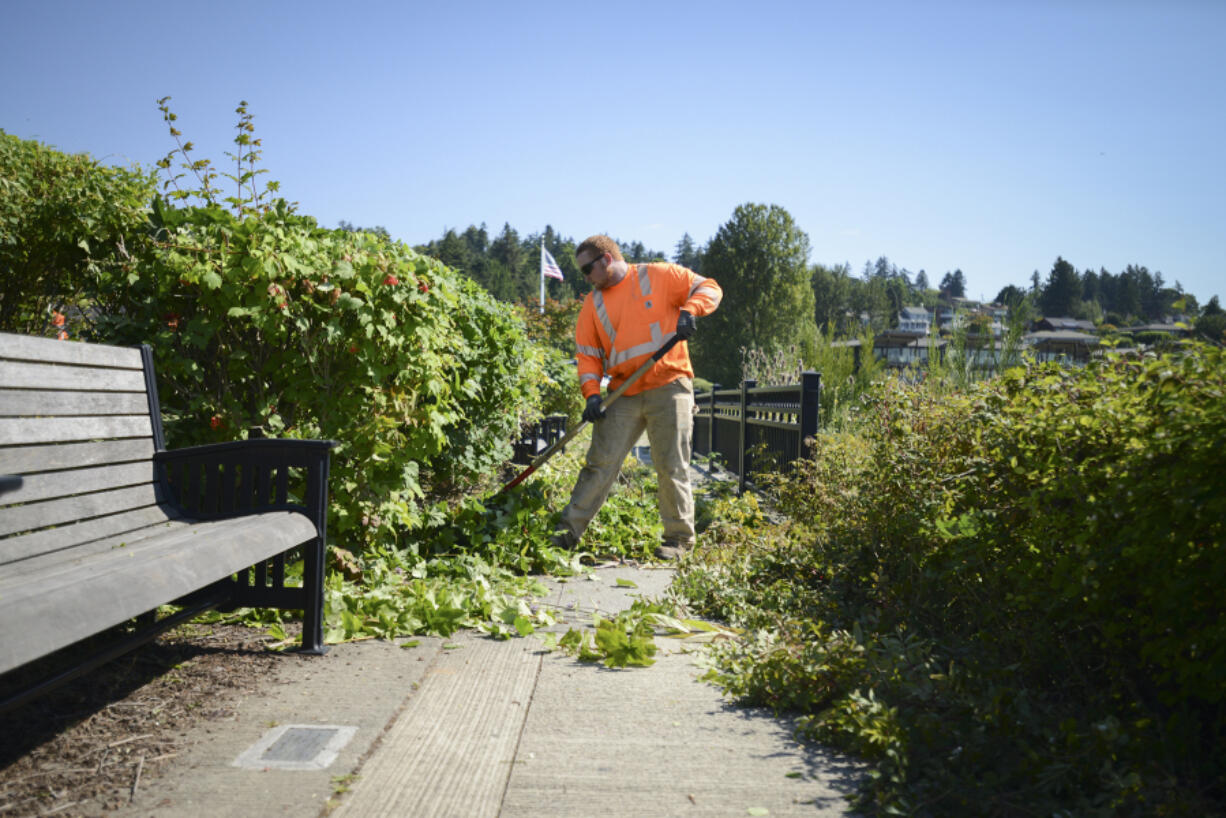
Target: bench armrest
<point>244,476</point>
<point>266,474</point>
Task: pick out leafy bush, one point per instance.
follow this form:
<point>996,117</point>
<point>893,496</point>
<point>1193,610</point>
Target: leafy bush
<point>63,218</point>
<point>265,319</point>
<point>553,331</point>
<point>259,317</point>
<point>1008,597</point>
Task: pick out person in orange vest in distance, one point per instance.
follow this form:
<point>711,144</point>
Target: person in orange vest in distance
<point>630,313</point>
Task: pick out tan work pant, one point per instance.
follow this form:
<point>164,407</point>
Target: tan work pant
<point>667,414</point>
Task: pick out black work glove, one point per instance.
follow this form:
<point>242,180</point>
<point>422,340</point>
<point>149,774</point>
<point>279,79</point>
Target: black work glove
<point>593,412</point>
<point>686,326</point>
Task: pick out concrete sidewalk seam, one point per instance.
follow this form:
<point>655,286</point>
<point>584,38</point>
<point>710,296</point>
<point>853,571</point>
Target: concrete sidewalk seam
<point>355,774</point>
<point>522,726</point>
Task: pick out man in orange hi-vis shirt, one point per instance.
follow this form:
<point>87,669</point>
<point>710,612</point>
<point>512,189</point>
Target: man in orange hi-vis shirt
<point>630,313</point>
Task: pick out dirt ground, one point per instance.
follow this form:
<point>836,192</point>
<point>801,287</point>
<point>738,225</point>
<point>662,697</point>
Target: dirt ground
<point>85,748</point>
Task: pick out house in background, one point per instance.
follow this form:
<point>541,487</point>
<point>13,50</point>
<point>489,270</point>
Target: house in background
<point>1062,325</point>
<point>914,319</point>
<point>1061,345</point>
<point>1178,330</point>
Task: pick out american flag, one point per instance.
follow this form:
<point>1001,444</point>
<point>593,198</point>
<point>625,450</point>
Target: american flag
<point>549,267</point>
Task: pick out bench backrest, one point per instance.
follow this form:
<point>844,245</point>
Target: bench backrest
<point>79,423</point>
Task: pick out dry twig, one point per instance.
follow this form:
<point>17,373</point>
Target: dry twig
<point>140,766</point>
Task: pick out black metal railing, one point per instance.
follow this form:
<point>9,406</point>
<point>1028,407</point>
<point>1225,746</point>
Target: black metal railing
<point>538,437</point>
<point>756,428</point>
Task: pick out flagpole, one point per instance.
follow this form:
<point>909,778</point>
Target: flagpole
<point>542,276</point>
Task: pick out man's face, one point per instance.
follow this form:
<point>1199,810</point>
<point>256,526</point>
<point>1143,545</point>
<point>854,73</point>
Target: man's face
<point>595,268</point>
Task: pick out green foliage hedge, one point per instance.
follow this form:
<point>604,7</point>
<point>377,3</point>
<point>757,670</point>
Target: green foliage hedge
<point>266,319</point>
<point>1009,598</point>
<point>63,219</point>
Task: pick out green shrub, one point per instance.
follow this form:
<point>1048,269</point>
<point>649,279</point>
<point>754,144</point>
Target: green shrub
<point>265,319</point>
<point>1008,597</point>
<point>259,317</point>
<point>63,218</point>
<point>553,331</point>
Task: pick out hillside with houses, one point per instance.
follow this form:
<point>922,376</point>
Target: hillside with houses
<point>989,336</point>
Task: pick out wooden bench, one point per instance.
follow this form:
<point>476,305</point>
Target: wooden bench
<point>100,524</point>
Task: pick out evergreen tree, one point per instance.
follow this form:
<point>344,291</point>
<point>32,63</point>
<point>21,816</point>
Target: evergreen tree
<point>883,268</point>
<point>1089,287</point>
<point>953,285</point>
<point>452,251</point>
<point>1128,294</point>
<point>688,254</point>
<point>832,295</point>
<point>760,259</point>
<point>1062,292</point>
<point>378,230</point>
<point>1010,296</point>
<point>1212,322</point>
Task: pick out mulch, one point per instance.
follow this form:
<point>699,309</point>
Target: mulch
<point>88,747</point>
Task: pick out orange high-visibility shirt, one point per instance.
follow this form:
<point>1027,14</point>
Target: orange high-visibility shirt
<point>622,326</point>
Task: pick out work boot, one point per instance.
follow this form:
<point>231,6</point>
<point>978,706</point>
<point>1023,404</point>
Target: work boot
<point>671,550</point>
<point>564,540</point>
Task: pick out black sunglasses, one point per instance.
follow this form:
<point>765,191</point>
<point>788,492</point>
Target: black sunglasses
<point>587,268</point>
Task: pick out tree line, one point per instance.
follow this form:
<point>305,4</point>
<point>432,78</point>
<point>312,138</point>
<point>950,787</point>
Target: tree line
<point>778,300</point>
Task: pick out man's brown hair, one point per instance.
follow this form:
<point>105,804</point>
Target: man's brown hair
<point>601,245</point>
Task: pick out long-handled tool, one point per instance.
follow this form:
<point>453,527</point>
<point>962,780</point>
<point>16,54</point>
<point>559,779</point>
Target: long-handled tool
<point>559,445</point>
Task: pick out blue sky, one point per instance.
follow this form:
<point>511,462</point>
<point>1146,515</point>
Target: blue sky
<point>990,136</point>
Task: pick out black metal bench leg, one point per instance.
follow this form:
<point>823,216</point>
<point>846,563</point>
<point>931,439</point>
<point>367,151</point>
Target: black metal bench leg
<point>313,609</point>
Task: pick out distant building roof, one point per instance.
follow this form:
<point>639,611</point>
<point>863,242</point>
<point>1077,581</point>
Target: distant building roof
<point>1065,336</point>
<point>1064,323</point>
<point>895,338</point>
<point>1173,329</point>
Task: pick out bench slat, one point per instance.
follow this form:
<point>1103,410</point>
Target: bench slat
<point>25,347</point>
<point>27,459</point>
<point>54,430</point>
<point>23,375</point>
<point>85,535</point>
<point>44,568</point>
<point>18,402</point>
<point>70,509</point>
<point>123,583</point>
<point>50,485</point>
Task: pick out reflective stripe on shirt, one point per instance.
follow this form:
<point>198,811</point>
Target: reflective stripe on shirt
<point>644,281</point>
<point>657,340</point>
<point>603,315</point>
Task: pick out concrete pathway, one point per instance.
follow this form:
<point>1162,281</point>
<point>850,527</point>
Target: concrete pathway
<point>469,727</point>
<point>472,727</point>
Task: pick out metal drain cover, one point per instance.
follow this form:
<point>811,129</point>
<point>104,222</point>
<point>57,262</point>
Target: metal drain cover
<point>296,747</point>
